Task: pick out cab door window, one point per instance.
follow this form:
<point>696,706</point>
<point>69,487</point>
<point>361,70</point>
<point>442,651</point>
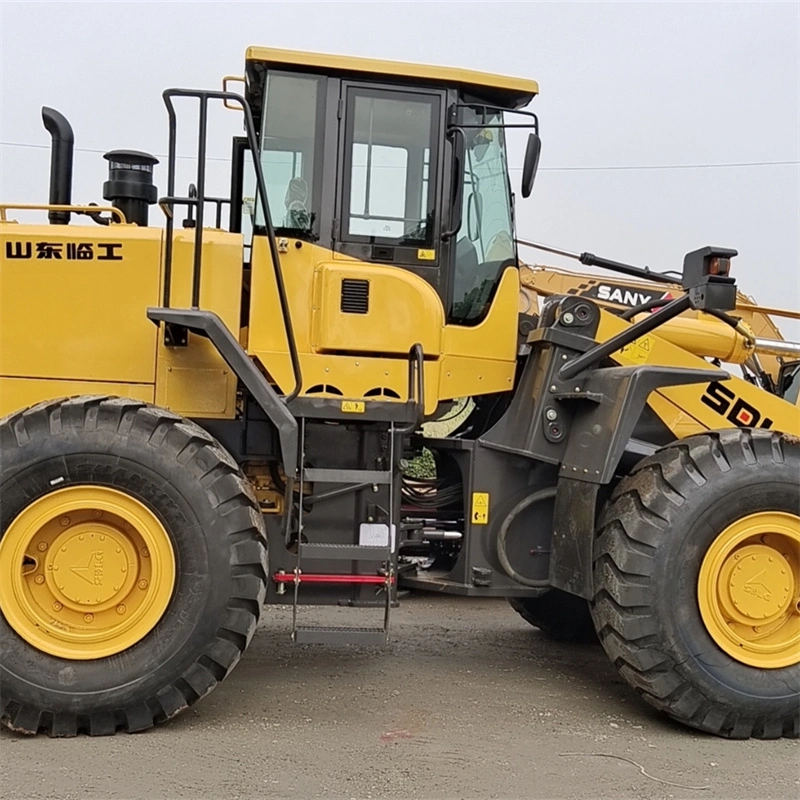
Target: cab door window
<point>389,155</point>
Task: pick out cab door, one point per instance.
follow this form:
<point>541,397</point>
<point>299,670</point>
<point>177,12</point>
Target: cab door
<point>390,177</point>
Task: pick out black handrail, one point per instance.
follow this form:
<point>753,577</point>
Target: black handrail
<point>166,205</point>
<point>204,96</point>
<point>416,389</point>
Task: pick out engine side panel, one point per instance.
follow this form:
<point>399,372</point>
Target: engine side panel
<point>72,303</point>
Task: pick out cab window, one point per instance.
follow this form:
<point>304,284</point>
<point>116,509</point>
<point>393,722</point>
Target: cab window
<point>290,153</point>
<point>389,153</point>
<point>485,242</point>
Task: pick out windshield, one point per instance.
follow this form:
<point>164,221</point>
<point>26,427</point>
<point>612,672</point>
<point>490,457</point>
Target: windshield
<point>485,241</point>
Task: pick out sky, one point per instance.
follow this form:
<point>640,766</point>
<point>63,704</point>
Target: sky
<point>688,86</point>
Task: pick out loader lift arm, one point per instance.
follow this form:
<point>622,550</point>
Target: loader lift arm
<point>642,286</point>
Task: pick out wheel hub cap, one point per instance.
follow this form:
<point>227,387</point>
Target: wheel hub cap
<point>85,572</point>
<point>749,590</point>
<point>760,583</point>
<point>89,566</point>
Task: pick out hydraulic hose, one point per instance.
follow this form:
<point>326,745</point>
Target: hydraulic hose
<point>502,535</point>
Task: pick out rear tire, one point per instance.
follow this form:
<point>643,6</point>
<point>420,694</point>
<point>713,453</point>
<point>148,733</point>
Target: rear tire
<point>561,616</point>
<point>656,539</point>
<point>203,502</point>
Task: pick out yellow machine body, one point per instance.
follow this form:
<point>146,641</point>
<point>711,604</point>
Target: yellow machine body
<point>78,325</point>
<point>365,356</point>
<point>74,326</point>
<point>690,409</point>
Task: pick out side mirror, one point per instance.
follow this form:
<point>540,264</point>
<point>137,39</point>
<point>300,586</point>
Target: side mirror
<point>474,216</point>
<point>532,152</point>
<point>789,382</point>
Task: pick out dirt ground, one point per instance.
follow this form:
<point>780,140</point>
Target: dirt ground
<point>467,702</point>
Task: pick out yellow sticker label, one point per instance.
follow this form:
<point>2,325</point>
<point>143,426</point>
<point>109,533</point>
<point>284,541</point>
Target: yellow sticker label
<point>480,508</point>
<point>639,350</point>
<point>426,255</point>
<point>353,406</point>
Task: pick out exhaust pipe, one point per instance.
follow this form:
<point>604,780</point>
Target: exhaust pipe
<point>60,163</point>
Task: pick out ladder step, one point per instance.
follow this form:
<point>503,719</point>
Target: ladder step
<point>348,475</point>
<point>363,636</point>
<point>344,552</point>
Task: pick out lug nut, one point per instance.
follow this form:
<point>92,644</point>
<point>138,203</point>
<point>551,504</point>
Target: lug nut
<point>39,579</point>
<point>143,584</point>
<point>145,553</point>
<point>57,606</point>
<point>88,617</point>
<point>41,547</point>
<point>97,514</point>
<point>121,609</point>
<point>64,522</point>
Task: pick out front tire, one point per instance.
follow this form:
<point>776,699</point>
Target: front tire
<point>132,566</point>
<point>697,582</point>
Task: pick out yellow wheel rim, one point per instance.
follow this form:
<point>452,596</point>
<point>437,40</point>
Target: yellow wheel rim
<point>85,572</point>
<point>749,590</point>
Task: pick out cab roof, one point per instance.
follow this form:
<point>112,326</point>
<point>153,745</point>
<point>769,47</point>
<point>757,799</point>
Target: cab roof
<point>504,91</point>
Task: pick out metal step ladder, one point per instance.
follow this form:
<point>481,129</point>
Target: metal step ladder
<point>329,551</point>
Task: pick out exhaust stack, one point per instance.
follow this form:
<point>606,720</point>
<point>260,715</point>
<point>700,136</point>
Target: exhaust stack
<point>63,141</point>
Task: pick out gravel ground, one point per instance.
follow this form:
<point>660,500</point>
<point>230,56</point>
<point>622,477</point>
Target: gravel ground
<point>467,702</point>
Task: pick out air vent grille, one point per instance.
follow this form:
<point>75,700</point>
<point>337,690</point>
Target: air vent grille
<point>355,296</point>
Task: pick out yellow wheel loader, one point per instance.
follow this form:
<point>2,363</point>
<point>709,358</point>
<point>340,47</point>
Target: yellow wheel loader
<point>217,412</point>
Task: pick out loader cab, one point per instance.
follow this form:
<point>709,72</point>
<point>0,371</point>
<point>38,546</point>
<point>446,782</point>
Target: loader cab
<point>386,163</point>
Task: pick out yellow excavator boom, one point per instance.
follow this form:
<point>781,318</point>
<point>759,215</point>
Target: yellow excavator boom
<point>758,342</point>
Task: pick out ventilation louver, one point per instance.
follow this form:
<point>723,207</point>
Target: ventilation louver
<point>355,296</point>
